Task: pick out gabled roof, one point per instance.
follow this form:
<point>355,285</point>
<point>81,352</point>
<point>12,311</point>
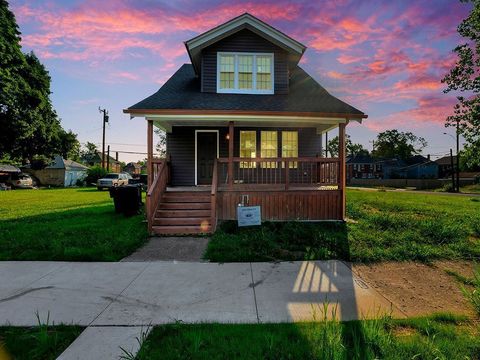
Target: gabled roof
<point>245,21</point>
<point>446,160</point>
<point>61,163</point>
<point>361,159</point>
<point>182,92</point>
<point>6,168</point>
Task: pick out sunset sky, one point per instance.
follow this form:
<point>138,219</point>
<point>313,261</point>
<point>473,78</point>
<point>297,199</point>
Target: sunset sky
<point>384,57</point>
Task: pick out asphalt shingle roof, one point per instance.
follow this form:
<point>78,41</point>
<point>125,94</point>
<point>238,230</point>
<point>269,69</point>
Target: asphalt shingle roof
<point>182,91</point>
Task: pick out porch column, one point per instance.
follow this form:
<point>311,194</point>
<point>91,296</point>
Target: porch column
<point>230,154</point>
<point>342,179</point>
<point>149,153</point>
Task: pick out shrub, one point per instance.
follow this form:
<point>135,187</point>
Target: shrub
<point>448,187</point>
<point>40,162</point>
<point>95,173</point>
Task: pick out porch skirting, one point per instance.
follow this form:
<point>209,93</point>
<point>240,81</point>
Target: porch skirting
<point>284,205</point>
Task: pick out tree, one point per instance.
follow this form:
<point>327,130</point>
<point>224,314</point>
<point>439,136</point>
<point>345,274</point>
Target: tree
<point>465,77</point>
<point>68,145</point>
<point>89,152</point>
<point>393,143</point>
<point>351,148</point>
<point>161,146</point>
<point>29,125</point>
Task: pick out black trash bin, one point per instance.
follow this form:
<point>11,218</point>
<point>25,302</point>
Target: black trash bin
<point>127,199</point>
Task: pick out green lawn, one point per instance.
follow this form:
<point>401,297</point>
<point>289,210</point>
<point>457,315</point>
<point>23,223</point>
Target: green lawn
<point>65,224</point>
<point>383,226</point>
<point>36,343</point>
<point>436,337</point>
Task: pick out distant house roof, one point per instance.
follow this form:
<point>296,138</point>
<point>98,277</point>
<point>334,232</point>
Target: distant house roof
<point>61,163</point>
<point>182,92</point>
<point>134,165</point>
<point>416,159</point>
<point>446,160</point>
<point>5,168</point>
<point>361,159</point>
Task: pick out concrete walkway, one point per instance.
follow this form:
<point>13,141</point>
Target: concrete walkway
<point>143,293</point>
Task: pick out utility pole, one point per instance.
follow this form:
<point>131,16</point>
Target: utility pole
<point>458,156</point>
<point>453,170</point>
<point>108,158</point>
<point>104,120</point>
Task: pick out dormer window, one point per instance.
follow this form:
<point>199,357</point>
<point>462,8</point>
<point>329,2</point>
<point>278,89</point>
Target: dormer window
<point>244,73</point>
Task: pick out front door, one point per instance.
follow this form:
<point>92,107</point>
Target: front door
<point>206,154</point>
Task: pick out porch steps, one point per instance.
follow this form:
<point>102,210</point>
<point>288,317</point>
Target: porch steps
<point>183,213</point>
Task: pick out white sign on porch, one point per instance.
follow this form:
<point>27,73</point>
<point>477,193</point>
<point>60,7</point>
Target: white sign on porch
<point>249,215</point>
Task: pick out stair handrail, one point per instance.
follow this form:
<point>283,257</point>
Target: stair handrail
<point>156,190</point>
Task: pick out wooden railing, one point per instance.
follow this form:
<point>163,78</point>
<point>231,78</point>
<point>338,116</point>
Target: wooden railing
<point>213,199</point>
<point>288,172</point>
<point>160,174</point>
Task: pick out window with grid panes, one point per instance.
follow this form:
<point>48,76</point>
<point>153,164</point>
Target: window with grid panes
<point>268,148</point>
<point>290,147</point>
<point>248,148</point>
<point>227,71</point>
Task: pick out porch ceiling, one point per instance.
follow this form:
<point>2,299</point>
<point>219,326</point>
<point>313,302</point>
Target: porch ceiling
<point>322,124</point>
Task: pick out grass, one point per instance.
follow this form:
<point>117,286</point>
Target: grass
<point>384,226</point>
<point>436,337</point>
<point>42,342</point>
<point>472,189</point>
<point>76,224</point>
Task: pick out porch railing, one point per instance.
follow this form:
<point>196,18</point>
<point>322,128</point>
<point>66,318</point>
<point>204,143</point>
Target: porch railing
<point>160,174</point>
<point>213,199</point>
<point>284,172</point>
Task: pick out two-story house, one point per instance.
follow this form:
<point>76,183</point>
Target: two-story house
<point>243,124</point>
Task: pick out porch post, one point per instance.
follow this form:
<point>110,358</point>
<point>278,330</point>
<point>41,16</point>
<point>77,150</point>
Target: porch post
<point>149,153</point>
<point>230,154</point>
<point>342,179</point>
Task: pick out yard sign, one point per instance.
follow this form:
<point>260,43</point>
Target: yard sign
<point>248,215</point>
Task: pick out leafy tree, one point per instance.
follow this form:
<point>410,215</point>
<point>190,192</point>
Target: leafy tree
<point>351,148</point>
<point>161,146</point>
<point>465,77</point>
<point>89,152</point>
<point>393,143</point>
<point>29,125</point>
<point>68,145</point>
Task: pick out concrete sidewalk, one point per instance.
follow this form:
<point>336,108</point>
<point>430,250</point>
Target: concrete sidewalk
<point>143,293</point>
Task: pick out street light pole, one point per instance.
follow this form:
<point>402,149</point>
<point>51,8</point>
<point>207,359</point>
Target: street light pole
<point>455,168</point>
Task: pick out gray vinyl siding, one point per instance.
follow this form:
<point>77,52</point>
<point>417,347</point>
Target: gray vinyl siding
<point>244,41</point>
<point>181,147</point>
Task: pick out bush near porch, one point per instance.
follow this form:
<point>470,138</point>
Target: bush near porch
<point>382,226</point>
<point>75,224</point>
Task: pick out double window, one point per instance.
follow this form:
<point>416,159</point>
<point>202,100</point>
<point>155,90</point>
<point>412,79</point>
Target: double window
<point>268,147</point>
<point>247,73</point>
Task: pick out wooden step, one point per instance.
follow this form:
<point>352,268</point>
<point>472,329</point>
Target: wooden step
<point>185,206</point>
<point>182,221</point>
<point>181,230</point>
<point>174,198</point>
<point>182,213</point>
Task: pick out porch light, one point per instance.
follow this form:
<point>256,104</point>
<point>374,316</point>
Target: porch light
<point>227,137</point>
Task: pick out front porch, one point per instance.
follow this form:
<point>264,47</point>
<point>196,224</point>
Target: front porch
<point>286,188</point>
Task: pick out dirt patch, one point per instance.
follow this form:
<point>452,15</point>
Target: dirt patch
<point>419,289</point>
<point>170,248</point>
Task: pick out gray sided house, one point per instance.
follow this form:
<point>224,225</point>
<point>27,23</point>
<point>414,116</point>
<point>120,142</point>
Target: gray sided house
<point>244,124</point>
<point>61,172</point>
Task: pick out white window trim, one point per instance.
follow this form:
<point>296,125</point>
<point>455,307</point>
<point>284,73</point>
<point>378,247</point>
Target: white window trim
<point>196,159</point>
<point>236,90</point>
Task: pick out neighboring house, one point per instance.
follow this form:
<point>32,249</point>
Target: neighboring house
<point>246,121</point>
<point>445,166</point>
<point>361,167</point>
<point>133,168</point>
<point>61,172</point>
<point>114,165</point>
<point>418,167</point>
